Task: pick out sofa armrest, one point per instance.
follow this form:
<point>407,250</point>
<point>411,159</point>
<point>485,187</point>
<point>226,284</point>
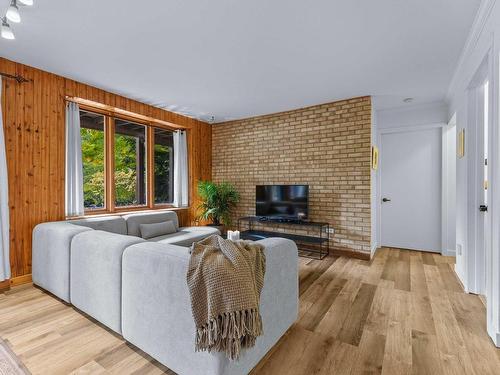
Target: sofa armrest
<point>51,256</point>
<point>96,274</point>
<point>156,308</point>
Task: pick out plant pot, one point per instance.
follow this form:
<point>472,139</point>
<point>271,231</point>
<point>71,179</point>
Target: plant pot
<point>220,227</point>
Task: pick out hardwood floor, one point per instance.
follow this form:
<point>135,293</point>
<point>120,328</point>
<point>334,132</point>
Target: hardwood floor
<point>402,313</point>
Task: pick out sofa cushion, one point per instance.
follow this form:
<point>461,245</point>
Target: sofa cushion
<point>186,236</point>
<point>113,224</point>
<point>157,229</point>
<point>134,220</point>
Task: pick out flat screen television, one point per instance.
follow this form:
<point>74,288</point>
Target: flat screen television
<point>289,202</point>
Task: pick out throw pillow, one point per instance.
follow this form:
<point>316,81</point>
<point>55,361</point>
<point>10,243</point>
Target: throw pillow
<point>157,229</point>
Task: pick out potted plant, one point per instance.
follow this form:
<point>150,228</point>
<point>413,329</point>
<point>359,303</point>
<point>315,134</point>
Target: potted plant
<point>217,201</point>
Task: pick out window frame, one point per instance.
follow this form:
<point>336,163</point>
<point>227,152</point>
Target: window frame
<point>110,114</point>
<point>152,182</point>
<point>104,209</point>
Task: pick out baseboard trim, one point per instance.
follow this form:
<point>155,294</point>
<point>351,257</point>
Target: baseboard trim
<point>448,253</point>
<point>19,280</point>
<point>4,285</point>
<point>373,250</point>
<point>351,254</point>
<point>461,279</point>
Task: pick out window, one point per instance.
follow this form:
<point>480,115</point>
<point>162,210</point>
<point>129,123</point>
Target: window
<point>164,166</point>
<point>92,133</point>
<point>130,164</point>
<point>126,163</point>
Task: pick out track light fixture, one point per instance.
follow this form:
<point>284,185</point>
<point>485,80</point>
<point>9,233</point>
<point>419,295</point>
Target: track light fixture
<point>13,12</point>
<point>12,15</point>
<point>6,31</point>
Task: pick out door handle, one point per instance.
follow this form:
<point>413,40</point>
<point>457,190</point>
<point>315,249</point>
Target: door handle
<point>385,200</point>
<point>483,208</point>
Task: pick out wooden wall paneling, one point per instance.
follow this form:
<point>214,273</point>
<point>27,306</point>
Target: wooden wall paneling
<point>191,166</point>
<point>200,159</point>
<point>34,124</point>
<point>24,121</point>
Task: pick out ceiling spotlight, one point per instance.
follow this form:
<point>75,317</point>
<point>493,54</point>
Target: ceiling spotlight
<point>6,31</point>
<point>407,100</point>
<point>26,2</point>
<point>13,12</point>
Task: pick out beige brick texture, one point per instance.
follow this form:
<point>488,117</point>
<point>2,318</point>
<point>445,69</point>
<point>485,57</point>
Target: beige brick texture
<point>326,146</point>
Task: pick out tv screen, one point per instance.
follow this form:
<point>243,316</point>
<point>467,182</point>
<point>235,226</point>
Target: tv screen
<point>282,201</point>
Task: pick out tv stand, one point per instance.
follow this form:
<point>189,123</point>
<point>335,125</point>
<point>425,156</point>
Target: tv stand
<point>314,246</point>
<point>267,219</point>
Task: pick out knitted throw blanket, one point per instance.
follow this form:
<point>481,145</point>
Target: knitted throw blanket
<point>225,279</point>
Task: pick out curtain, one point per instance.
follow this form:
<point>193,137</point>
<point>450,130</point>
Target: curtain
<point>4,204</point>
<point>180,169</point>
<point>74,166</point>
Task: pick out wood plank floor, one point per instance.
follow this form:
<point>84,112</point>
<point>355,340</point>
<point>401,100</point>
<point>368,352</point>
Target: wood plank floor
<point>402,313</point>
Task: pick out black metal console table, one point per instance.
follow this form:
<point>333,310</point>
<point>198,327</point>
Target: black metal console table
<point>310,246</point>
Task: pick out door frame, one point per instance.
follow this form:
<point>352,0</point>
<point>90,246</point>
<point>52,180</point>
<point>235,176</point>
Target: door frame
<point>477,259</point>
<point>493,268</point>
<point>405,129</point>
<point>447,184</point>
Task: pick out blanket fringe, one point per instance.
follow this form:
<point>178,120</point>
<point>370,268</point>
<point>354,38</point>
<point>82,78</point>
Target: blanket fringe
<point>230,332</point>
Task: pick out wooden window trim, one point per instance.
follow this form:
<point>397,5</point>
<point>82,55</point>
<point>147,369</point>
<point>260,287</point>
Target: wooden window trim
<point>110,114</point>
<point>150,178</point>
<point>110,164</point>
<point>99,211</point>
<point>124,114</point>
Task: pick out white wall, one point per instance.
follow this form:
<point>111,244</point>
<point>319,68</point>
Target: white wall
<point>479,45</point>
<point>484,40</point>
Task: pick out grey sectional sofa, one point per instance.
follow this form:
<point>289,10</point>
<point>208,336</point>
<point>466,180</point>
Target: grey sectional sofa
<point>52,242</point>
<point>138,288</point>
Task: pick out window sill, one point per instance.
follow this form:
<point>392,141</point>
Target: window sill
<point>128,210</point>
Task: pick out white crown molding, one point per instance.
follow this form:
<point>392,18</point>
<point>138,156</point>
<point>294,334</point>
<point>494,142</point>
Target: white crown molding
<point>477,28</point>
<point>412,107</point>
<point>412,128</point>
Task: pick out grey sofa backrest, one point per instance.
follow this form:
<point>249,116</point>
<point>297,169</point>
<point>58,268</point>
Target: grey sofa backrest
<point>135,220</point>
<point>113,224</point>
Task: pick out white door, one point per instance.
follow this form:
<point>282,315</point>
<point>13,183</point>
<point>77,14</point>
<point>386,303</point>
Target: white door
<point>410,167</point>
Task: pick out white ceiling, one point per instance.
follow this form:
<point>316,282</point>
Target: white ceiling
<point>235,59</point>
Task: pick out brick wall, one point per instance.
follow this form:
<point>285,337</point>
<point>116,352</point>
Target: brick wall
<point>325,146</point>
